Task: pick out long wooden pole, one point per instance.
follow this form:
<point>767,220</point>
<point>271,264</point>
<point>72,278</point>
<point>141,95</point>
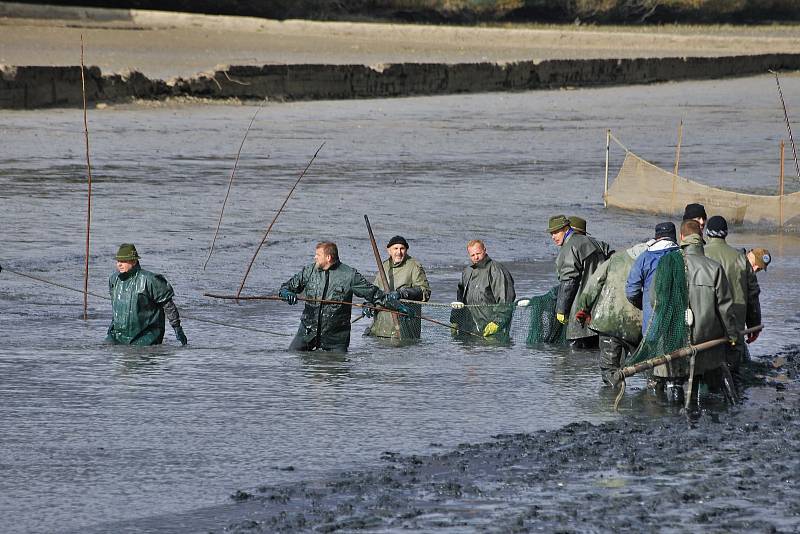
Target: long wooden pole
<point>780,186</point>
<point>230,184</point>
<point>269,228</point>
<point>344,303</point>
<point>382,273</point>
<point>605,182</point>
<point>89,192</point>
<point>685,352</point>
<point>788,125</point>
<point>675,170</point>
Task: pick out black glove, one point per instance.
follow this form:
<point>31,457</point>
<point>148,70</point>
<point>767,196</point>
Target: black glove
<point>288,296</point>
<point>410,293</point>
<point>368,312</point>
<point>402,308</point>
<point>180,336</point>
<point>392,297</point>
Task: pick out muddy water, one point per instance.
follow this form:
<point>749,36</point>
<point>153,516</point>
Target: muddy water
<point>95,434</point>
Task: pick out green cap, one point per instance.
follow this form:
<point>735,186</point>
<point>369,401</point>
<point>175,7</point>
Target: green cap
<point>127,252</point>
<point>577,223</point>
<point>556,223</point>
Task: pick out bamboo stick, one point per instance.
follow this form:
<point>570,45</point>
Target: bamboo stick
<point>605,183</point>
<point>342,302</point>
<point>675,170</point>
<point>89,192</point>
<point>230,184</point>
<point>780,186</point>
<point>269,228</point>
<point>381,273</point>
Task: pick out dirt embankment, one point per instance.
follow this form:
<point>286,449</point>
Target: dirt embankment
<point>477,11</point>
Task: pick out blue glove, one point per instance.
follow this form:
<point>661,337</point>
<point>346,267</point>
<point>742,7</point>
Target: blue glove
<point>368,312</point>
<point>180,336</point>
<point>288,296</point>
<point>402,308</point>
<point>392,297</point>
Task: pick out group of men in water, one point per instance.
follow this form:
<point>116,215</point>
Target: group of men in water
<point>604,299</point>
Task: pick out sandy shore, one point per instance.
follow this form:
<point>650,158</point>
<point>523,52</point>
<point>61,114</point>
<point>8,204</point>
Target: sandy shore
<point>166,45</point>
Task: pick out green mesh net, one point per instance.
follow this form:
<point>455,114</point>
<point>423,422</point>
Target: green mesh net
<point>667,330</point>
<point>532,324</point>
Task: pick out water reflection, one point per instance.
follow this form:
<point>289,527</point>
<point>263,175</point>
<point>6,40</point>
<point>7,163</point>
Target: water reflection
<point>326,367</point>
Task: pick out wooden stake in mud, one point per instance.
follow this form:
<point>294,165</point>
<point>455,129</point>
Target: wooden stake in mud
<point>230,184</point>
<point>89,192</point>
<point>605,183</point>
<point>324,301</point>
<point>382,273</point>
<point>280,210</point>
<point>675,170</point>
<point>780,187</point>
<point>788,125</point>
<point>685,352</point>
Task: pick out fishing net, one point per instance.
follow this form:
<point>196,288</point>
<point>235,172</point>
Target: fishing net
<point>531,324</point>
<point>642,186</point>
<point>667,330</point>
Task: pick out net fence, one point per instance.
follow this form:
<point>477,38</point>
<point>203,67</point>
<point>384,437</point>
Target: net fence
<point>533,323</point>
<point>642,186</point>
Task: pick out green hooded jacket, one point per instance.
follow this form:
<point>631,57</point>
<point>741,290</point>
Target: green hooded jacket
<point>490,286</point>
<point>577,259</point>
<point>712,309</point>
<point>137,301</point>
<point>604,297</point>
<point>744,284</point>
<point>330,323</point>
<point>402,277</point>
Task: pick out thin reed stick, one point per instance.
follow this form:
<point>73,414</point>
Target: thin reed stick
<point>788,125</point>
<point>269,228</point>
<point>89,192</point>
<point>230,184</point>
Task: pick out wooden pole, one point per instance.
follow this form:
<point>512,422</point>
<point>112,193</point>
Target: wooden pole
<point>285,200</point>
<point>605,183</point>
<point>89,192</point>
<point>325,301</point>
<point>685,352</point>
<point>780,186</point>
<point>788,124</point>
<point>382,273</point>
<point>677,163</point>
<point>230,184</point>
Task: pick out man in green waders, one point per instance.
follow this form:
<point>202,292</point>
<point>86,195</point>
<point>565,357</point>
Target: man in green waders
<point>406,276</point>
<point>329,286</point>
<point>140,301</point>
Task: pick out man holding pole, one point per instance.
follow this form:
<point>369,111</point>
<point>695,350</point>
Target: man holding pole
<point>140,302</point>
<point>405,275</point>
<point>329,286</point>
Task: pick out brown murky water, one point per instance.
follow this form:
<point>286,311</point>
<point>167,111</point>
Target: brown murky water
<point>94,433</point>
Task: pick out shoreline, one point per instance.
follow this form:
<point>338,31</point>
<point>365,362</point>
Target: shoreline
<point>155,55</point>
<point>33,87</point>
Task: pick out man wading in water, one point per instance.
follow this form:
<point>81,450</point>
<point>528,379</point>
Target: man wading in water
<point>140,301</point>
<point>326,325</point>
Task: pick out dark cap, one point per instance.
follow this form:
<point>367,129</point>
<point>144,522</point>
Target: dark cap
<point>693,211</point>
<point>397,240</point>
<point>717,226</point>
<point>127,252</point>
<point>577,223</point>
<point>556,223</point>
<point>666,229</point>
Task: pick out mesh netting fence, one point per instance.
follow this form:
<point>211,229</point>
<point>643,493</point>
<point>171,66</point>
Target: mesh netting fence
<point>532,323</point>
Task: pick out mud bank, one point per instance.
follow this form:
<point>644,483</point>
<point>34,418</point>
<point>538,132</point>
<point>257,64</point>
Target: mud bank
<point>29,87</point>
<point>725,471</point>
